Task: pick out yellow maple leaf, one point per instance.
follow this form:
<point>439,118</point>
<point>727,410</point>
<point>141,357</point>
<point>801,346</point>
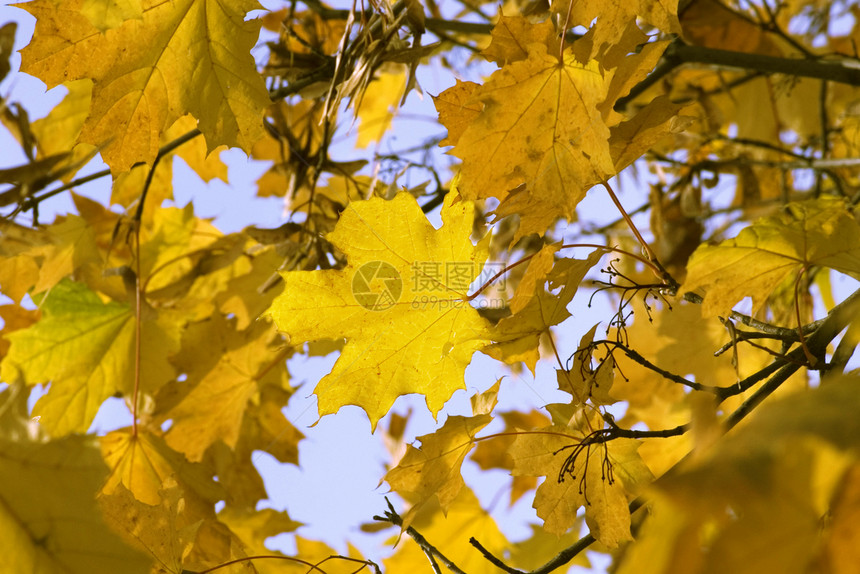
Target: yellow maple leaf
<point>108,14</point>
<point>512,35</point>
<point>142,463</point>
<point>220,391</point>
<point>517,338</point>
<point>84,347</point>
<point>597,477</point>
<point>191,56</point>
<point>611,18</point>
<point>540,142</point>
<point>457,109</point>
<point>434,469</point>
<point>818,232</point>
<point>400,303</point>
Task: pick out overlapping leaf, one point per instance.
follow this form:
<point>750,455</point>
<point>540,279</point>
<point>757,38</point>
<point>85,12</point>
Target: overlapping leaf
<point>49,521</point>
<point>792,464</point>
<point>540,138</point>
<point>400,303</point>
<point>517,338</point>
<point>149,72</point>
<point>220,391</point>
<point>600,478</point>
<point>812,233</point>
<point>84,348</point>
<point>434,469</point>
<point>142,462</point>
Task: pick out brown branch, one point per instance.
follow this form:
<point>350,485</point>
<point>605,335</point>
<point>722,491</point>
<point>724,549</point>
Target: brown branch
<point>838,318</point>
<point>432,552</point>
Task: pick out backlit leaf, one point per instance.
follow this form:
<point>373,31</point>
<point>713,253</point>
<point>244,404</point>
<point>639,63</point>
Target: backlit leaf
<point>599,480</point>
<point>433,470</point>
<point>813,233</point>
<point>539,141</point>
<point>179,65</point>
<point>400,303</point>
<point>84,348</point>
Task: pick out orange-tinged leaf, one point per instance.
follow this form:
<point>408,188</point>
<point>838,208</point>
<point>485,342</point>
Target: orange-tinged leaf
<point>540,143</point>
<point>612,18</point>
<point>812,233</point>
<point>457,109</point>
<point>400,304</point>
<point>181,63</point>
<point>512,36</point>
<point>143,463</point>
<point>85,349</point>
<point>49,521</point>
<point>434,469</point>
<point>630,139</point>
<point>600,477</point>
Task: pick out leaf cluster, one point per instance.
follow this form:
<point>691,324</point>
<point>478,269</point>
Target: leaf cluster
<point>689,169</point>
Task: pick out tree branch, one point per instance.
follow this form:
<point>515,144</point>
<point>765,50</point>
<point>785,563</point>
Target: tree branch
<point>432,552</point>
<point>839,317</point>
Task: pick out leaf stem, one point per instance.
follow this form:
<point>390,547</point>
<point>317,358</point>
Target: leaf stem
<point>137,332</point>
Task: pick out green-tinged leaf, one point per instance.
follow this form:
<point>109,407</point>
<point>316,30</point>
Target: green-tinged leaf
<point>85,349</point>
<point>818,232</point>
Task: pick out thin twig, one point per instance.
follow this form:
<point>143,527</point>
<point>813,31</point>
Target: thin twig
<point>394,518</point>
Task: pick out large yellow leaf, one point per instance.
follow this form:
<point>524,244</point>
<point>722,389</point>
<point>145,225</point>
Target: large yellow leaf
<point>85,349</point>
<point>540,139</point>
<point>190,56</point>
<point>812,233</point>
<point>49,521</point>
<point>400,304</point>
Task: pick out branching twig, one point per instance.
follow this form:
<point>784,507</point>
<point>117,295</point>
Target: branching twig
<point>431,551</point>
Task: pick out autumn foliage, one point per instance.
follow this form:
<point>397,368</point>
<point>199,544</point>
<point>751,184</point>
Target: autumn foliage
<point>691,168</point>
